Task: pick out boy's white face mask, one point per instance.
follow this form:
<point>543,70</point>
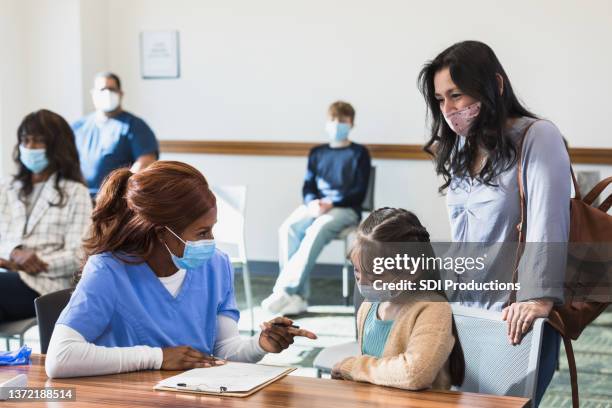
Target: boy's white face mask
<point>337,131</point>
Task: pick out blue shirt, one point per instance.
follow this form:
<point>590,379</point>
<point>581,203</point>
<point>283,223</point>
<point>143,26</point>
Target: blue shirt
<point>117,142</point>
<point>375,333</point>
<point>339,175</point>
<point>117,304</point>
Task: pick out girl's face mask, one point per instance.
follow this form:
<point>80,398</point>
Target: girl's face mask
<point>461,121</point>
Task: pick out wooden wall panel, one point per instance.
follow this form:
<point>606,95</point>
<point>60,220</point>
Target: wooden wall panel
<point>378,151</point>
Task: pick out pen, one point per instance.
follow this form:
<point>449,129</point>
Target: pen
<point>284,325</point>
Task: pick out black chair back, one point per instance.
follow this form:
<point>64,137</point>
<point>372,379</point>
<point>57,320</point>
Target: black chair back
<point>48,309</point>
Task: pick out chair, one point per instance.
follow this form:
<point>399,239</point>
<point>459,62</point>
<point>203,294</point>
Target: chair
<point>345,234</point>
<point>329,356</point>
<point>15,330</point>
<point>492,365</point>
<point>229,234</point>
<point>48,309</point>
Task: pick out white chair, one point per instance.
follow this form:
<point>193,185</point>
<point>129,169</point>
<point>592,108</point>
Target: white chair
<point>492,365</point>
<point>16,330</point>
<point>229,234</point>
<point>329,356</point>
<point>345,234</point>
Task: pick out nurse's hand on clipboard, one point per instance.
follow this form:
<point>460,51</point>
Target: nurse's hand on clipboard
<point>186,357</point>
<point>277,334</point>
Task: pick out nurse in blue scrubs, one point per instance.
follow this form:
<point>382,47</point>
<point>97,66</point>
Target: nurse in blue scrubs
<point>155,293</point>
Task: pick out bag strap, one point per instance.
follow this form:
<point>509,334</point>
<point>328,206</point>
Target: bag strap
<point>521,225</point>
<point>597,190</point>
<point>554,319</point>
<point>571,365</point>
<point>577,194</point>
<point>607,203</point>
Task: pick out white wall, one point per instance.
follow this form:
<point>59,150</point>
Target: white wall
<point>94,30</point>
<point>268,69</point>
<point>12,80</point>
<point>41,67</point>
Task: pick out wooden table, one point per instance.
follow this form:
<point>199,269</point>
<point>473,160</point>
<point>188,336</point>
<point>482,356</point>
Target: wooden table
<point>136,390</point>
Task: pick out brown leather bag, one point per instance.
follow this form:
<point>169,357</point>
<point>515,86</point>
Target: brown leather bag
<point>589,225</point>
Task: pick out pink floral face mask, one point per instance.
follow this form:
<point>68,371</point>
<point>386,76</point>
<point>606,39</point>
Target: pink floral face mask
<point>460,121</point>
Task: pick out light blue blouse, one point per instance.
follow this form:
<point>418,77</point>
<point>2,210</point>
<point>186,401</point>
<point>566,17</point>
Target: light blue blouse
<point>489,214</point>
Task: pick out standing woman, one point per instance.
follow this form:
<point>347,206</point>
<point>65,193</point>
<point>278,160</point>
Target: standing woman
<point>45,211</point>
<point>476,131</point>
<point>155,293</point>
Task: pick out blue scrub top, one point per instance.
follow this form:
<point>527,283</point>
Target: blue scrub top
<point>117,304</point>
<point>104,147</point>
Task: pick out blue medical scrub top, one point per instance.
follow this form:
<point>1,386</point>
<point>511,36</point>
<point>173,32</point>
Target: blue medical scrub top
<point>117,304</point>
<point>104,147</point>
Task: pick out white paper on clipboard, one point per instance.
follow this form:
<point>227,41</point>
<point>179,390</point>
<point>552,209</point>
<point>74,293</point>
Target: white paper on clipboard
<point>230,377</point>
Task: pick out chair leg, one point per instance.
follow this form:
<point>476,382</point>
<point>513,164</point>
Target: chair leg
<point>246,276</point>
<point>345,275</point>
<point>21,340</point>
<point>319,374</point>
<point>8,343</point>
<point>345,279</point>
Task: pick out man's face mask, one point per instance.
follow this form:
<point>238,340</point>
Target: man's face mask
<point>105,100</point>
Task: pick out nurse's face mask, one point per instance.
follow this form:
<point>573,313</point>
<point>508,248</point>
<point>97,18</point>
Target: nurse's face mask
<point>196,253</point>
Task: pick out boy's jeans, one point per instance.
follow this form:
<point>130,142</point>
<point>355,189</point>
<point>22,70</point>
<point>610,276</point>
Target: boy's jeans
<point>301,240</point>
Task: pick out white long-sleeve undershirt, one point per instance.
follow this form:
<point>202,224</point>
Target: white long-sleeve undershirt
<point>70,355</point>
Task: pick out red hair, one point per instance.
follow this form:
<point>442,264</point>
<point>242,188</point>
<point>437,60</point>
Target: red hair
<point>130,206</point>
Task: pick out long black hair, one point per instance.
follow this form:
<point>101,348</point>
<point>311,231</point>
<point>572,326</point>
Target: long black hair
<point>474,68</point>
<point>392,226</point>
<point>60,149</point>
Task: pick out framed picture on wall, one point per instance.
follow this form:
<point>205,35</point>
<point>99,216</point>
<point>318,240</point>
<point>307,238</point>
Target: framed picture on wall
<point>159,54</point>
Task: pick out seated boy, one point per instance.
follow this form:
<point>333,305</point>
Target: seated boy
<point>334,189</point>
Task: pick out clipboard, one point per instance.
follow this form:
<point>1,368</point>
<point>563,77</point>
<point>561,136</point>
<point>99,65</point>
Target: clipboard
<point>199,386</point>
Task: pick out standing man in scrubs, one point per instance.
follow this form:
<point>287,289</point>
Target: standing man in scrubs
<point>110,137</point>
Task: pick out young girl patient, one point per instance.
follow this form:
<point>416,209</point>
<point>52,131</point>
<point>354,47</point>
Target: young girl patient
<point>407,338</point>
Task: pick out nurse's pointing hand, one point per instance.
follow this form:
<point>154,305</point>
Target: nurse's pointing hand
<point>185,358</point>
<point>278,334</point>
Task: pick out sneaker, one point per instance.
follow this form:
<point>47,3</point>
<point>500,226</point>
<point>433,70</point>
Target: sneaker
<point>276,301</point>
<point>295,306</point>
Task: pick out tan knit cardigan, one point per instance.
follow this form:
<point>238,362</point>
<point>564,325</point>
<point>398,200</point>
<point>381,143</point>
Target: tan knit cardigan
<point>416,353</point>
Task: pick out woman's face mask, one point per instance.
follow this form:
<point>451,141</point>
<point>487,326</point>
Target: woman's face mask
<point>196,253</point>
<point>34,160</point>
<point>460,121</point>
